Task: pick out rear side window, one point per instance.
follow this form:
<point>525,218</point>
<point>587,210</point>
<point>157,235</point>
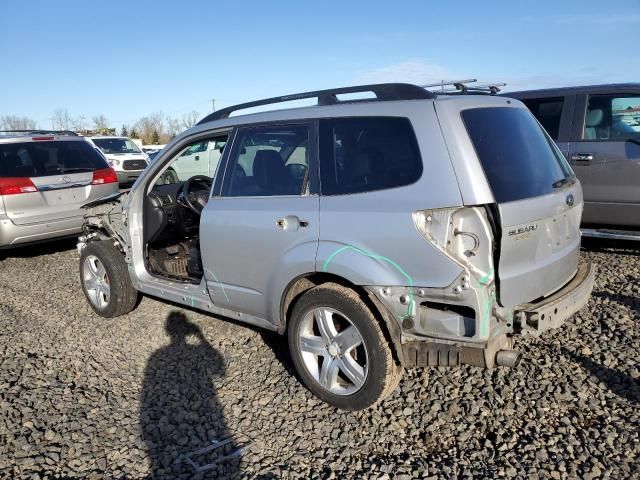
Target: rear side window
<point>39,159</point>
<point>612,117</point>
<point>548,112</point>
<point>518,158</point>
<point>367,153</point>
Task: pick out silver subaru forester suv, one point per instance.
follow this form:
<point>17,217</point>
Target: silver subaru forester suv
<point>45,178</point>
<point>404,229</point>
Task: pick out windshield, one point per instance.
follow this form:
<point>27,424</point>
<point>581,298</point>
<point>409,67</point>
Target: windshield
<point>116,145</point>
<point>39,159</point>
<point>518,157</point>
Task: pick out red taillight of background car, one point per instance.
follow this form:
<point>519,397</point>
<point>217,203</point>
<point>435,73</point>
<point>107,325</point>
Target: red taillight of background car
<point>104,175</point>
<point>15,186</point>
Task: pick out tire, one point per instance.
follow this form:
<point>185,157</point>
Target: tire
<point>168,177</point>
<point>102,267</point>
<point>331,328</point>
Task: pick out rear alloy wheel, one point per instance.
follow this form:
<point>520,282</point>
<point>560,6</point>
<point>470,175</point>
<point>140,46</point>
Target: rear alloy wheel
<point>105,280</point>
<point>339,349</point>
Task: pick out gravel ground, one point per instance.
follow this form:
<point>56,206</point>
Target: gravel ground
<point>81,396</point>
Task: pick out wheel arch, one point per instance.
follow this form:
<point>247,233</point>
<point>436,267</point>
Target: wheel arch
<point>301,284</point>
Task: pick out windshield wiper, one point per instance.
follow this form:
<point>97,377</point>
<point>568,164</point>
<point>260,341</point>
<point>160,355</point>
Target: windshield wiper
<point>562,182</point>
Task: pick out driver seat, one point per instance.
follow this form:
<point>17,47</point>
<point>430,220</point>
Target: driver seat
<point>270,173</point>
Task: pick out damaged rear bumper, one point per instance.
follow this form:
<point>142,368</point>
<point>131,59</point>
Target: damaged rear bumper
<point>432,349</point>
<point>551,312</point>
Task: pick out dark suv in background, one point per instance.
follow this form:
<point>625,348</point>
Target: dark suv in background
<point>598,130</point>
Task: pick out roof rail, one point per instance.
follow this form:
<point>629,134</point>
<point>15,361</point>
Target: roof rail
<point>462,87</point>
<point>382,91</point>
<point>42,132</point>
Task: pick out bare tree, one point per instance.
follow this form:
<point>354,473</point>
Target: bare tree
<point>174,127</point>
<point>61,119</point>
<point>14,122</point>
<point>146,125</point>
<point>100,122</point>
<point>79,123</point>
<point>189,119</point>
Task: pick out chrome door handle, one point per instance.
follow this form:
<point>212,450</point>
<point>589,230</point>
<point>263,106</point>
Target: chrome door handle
<point>582,157</point>
<point>291,222</point>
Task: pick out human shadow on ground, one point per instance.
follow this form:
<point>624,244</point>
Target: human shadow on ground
<point>181,420</point>
<point>617,382</point>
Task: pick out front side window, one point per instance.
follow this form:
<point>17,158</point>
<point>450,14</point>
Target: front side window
<point>611,117</point>
<point>268,161</point>
<point>548,112</point>
<point>367,153</point>
<point>116,145</point>
<point>519,159</point>
<point>197,158</point>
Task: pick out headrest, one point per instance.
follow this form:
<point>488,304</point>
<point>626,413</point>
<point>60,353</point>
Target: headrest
<point>594,117</point>
<point>268,167</point>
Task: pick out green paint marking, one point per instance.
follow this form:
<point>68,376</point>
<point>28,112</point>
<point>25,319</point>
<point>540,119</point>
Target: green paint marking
<point>218,282</point>
<point>485,279</point>
<point>486,320</point>
<point>375,257</point>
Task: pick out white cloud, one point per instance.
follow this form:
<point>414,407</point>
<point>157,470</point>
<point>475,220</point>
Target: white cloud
<point>410,71</point>
<point>587,76</point>
<point>420,72</point>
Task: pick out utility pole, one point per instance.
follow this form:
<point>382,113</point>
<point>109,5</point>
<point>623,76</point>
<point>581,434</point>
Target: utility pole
<point>213,104</point>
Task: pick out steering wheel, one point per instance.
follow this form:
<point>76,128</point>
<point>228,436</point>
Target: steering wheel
<point>196,198</point>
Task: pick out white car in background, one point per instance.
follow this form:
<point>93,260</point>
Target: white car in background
<point>124,156</point>
<point>200,158</point>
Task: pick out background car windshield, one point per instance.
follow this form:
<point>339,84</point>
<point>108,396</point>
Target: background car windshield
<point>116,145</point>
<point>518,157</point>
<point>38,159</point>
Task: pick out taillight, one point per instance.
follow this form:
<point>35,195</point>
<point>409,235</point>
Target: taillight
<point>14,186</point>
<point>104,175</point>
<point>42,139</point>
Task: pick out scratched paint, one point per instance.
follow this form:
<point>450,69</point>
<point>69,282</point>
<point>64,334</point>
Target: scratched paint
<point>217,282</point>
<point>374,256</point>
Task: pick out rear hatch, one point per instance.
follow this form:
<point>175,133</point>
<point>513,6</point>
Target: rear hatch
<point>539,201</point>
<point>45,179</point>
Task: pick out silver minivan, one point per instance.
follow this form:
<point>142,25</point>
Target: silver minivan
<point>45,178</point>
<point>397,230</point>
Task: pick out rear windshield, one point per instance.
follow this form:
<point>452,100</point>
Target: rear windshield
<point>40,159</point>
<point>116,145</point>
<point>518,157</point>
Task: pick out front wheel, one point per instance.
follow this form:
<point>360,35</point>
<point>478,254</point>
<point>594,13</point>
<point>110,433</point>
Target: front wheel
<point>105,280</point>
<point>339,349</point>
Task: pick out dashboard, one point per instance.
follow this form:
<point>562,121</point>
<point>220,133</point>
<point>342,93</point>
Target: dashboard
<point>167,216</point>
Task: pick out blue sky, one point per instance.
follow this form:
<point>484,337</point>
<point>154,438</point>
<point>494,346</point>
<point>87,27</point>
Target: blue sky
<point>128,59</point>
